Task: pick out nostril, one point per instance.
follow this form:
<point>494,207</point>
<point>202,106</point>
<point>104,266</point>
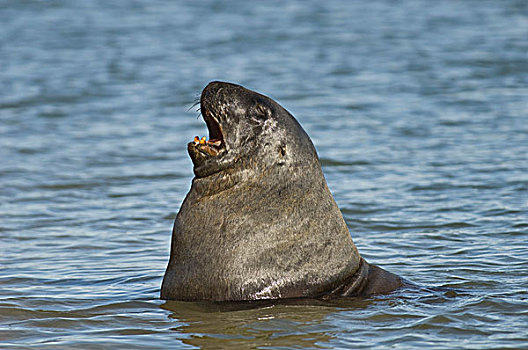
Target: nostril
<point>211,89</point>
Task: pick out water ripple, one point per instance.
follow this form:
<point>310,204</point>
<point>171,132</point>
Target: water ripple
<point>418,113</point>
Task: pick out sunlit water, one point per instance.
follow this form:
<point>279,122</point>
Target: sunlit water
<point>419,112</point>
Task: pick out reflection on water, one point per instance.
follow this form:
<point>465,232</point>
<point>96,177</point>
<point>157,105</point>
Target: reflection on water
<point>305,323</point>
<point>417,110</point>
<point>274,325</point>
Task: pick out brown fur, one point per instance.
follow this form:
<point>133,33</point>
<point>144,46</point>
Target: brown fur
<point>259,221</point>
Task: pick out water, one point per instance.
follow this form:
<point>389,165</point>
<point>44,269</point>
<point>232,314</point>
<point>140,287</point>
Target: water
<point>418,110</point>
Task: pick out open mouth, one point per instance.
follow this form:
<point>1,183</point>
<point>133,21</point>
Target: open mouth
<point>215,144</point>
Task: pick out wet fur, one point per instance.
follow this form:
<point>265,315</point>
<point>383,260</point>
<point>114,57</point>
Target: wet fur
<point>259,222</point>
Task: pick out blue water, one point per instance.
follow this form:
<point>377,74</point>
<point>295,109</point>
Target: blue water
<point>418,110</point>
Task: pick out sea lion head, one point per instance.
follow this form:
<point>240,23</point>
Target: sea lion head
<point>247,131</point>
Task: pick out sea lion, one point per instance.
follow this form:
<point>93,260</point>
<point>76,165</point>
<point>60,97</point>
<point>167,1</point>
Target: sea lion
<point>259,221</point>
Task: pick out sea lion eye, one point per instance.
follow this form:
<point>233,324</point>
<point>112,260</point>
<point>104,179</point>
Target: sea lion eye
<point>261,112</point>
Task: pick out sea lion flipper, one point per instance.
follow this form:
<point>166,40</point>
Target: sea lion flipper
<point>380,281</point>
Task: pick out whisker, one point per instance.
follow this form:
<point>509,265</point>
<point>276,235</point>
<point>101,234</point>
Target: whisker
<point>196,103</point>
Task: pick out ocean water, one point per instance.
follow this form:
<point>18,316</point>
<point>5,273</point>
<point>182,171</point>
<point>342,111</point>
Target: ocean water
<point>419,113</point>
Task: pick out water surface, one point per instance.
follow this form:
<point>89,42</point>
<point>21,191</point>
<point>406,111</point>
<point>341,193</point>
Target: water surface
<point>418,110</point>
